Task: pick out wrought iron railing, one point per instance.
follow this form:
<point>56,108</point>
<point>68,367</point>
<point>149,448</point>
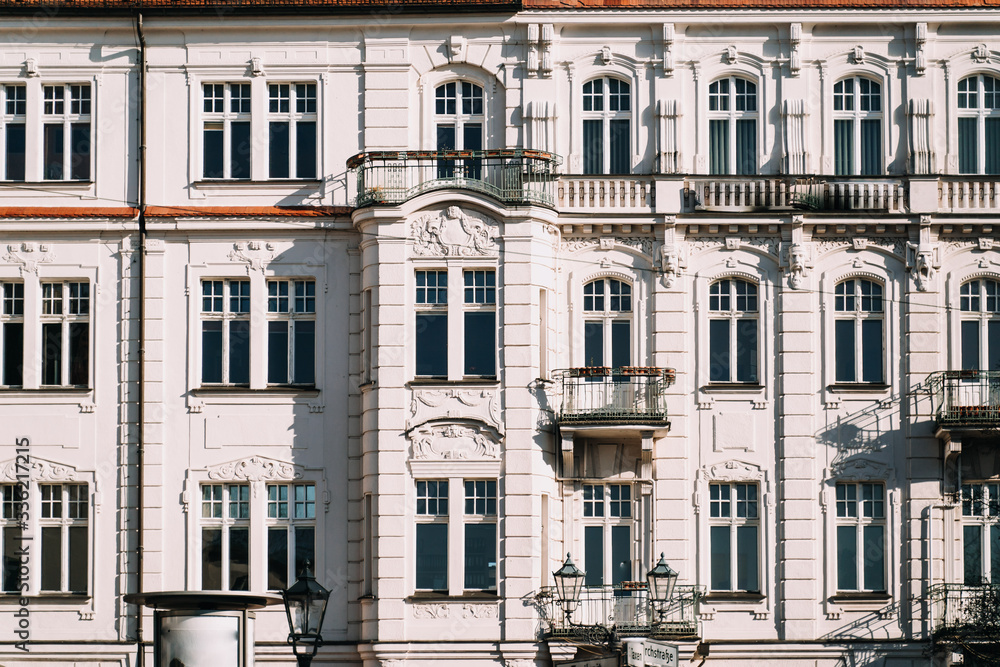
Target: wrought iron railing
<point>820,193</point>
<point>513,176</point>
<point>966,612</point>
<point>629,394</point>
<point>621,611</point>
<point>966,398</point>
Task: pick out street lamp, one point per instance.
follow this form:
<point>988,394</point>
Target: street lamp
<point>569,582</point>
<point>305,606</point>
<point>660,583</point>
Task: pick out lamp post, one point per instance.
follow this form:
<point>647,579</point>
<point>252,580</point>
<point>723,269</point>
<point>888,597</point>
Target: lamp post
<point>569,582</point>
<point>660,582</point>
<point>305,606</point>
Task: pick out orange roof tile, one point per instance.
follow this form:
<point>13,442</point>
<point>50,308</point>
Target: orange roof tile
<point>247,211</point>
<point>67,212</point>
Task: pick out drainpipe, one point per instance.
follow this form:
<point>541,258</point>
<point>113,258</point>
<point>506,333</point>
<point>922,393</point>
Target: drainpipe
<point>141,394</point>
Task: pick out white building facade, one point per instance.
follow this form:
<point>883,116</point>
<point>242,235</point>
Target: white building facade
<point>429,297</point>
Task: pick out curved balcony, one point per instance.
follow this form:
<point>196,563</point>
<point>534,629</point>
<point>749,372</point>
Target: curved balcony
<point>603,396</point>
<point>512,176</point>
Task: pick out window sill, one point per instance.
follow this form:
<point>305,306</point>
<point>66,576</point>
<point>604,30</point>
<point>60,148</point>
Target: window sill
<point>858,388</point>
<point>83,185</point>
<point>276,390</point>
<point>69,598</point>
<point>722,387</point>
<point>733,596</point>
<point>864,596</point>
<point>441,596</point>
<point>46,390</point>
<point>487,380</point>
<point>277,183</point>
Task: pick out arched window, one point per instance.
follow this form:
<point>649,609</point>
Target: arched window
<point>979,125</point>
<point>732,331</point>
<point>980,312</point>
<point>857,127</point>
<point>859,331</point>
<point>607,324</point>
<point>607,121</point>
<point>732,126</point>
<point>459,117</point>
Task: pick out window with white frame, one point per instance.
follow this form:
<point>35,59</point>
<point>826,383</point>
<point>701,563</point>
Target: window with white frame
<point>480,535</point>
<point>292,130</point>
<point>732,126</point>
<point>477,320</point>
<point>480,322</point>
<point>981,533</point>
<point>861,547</point>
<point>432,323</point>
<point>225,537</point>
<point>12,334</point>
<point>14,515</point>
<point>66,132</point>
<point>225,332</point>
<point>13,116</point>
<point>291,532</point>
<point>432,535</point>
<point>291,332</point>
<point>859,331</point>
<point>607,323</point>
<point>65,320</point>
<point>980,324</point>
<point>857,127</point>
<point>733,335</point>
<point>459,120</point>
<point>607,126</point>
<point>226,147</point>
<point>734,536</point>
<point>607,534</point>
<point>979,125</point>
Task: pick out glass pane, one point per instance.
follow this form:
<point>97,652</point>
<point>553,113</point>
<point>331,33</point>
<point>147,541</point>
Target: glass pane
<point>53,152</point>
<point>995,554</point>
<point>305,548</point>
<point>278,149</point>
<point>844,350</point>
<point>871,351</point>
<point>621,554</point>
<point>593,555</point>
<point>847,558</point>
<point>14,147</point>
<point>277,352</point>
<point>277,558</point>
<point>239,352</point>
<point>991,147</point>
<point>973,554</point>
<point>305,150</point>
<point>51,559</point>
<point>52,353</point>
<point>871,146</point>
<point>718,347</point>
<point>239,559</point>
<point>432,344</point>
<point>874,546</point>
<point>13,353</point>
<point>721,557</point>
<point>211,559</point>
<point>620,147</point>
<point>11,559</point>
<point>472,140</point>
<point>432,556</point>
<point>593,147</point>
<point>305,353</point>
<point>78,557</point>
<point>746,146</point>
<point>621,343</point>
<point>212,157</point>
<point>970,345</point>
<point>993,345</point>
<point>593,343</point>
<point>480,343</point>
<point>446,142</point>
<point>746,559</point>
<point>718,146</point>
<point>746,351</point>
<point>239,150</point>
<point>79,151</point>
<point>211,351</point>
<point>480,556</point>
<point>968,146</point>
<point>843,147</point>
<point>79,353</point>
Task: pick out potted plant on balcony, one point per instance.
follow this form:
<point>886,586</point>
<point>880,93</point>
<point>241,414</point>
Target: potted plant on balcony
<point>649,371</point>
<point>591,371</point>
<point>375,195</point>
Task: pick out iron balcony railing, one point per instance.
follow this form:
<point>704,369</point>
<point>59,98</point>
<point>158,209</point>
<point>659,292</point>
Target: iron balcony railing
<point>629,394</point>
<point>622,611</point>
<point>513,176</point>
<point>819,193</point>
<point>966,398</point>
<point>965,612</point>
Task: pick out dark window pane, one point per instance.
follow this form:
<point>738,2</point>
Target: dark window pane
<point>11,559</point>
<point>995,554</point>
<point>277,558</point>
<point>278,149</point>
<point>480,343</point>
<point>51,559</point>
<point>593,343</point>
<point>843,147</point>
<point>432,556</point>
<point>968,146</point>
<point>472,140</point>
<point>871,146</point>
<point>277,352</point>
<point>620,147</point>
<point>593,147</point>
<point>480,556</point>
<point>746,559</point>
<point>718,348</point>
<point>53,152</point>
<point>432,344</point>
<point>15,152</point>
<point>446,142</point>
<point>871,351</point>
<point>211,351</point>
<point>78,558</point>
<point>305,353</point>
<point>239,352</point>
<point>843,332</point>
<point>13,353</point>
<point>621,554</point>
<point>305,150</point>
<point>847,558</point>
<point>239,559</point>
<point>970,345</point>
<point>593,555</point>
<point>991,147</point>
<point>746,351</point>
<point>718,146</point>
<point>79,353</point>
<point>973,554</point>
<point>211,559</point>
<point>874,546</point>
<point>621,343</point>
<point>993,344</point>
<point>79,155</point>
<point>721,552</point>
<point>305,548</point>
<point>212,158</point>
<point>52,353</point>
<point>746,146</point>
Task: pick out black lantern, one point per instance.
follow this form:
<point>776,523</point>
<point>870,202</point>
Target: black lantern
<point>305,606</point>
<point>569,582</point>
<point>660,582</point>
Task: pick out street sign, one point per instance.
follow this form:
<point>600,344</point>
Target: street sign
<point>610,661</point>
<point>633,652</point>
<point>659,654</point>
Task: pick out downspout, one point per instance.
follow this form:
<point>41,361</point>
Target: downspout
<point>141,394</point>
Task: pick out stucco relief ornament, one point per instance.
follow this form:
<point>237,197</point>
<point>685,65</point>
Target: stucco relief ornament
<point>39,470</point>
<point>981,54</point>
<point>454,232</point>
<point>796,266</point>
<point>478,404</point>
<point>671,264</point>
<point>923,262</point>
<point>453,442</point>
<point>479,611</point>
<point>256,254</point>
<point>431,611</point>
<point>28,255</point>
<point>254,469</point>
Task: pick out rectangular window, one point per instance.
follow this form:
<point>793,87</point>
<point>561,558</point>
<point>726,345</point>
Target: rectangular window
<point>480,323</point>
<point>968,146</point>
<point>480,535</point>
<point>746,145</point>
<point>861,562</point>
<point>445,142</point>
<point>14,512</point>
<point>291,532</point>
<point>432,535</point>
<point>66,143</point>
<point>981,533</point>
<point>66,334</point>
<point>871,146</point>
<point>226,143</point>
<point>718,146</point>
<point>65,549</point>
<point>225,537</point>
<point>607,533</point>
<point>734,535</point>
<point>225,332</point>
<point>291,332</point>
<point>843,146</point>
<point>432,323</point>
<point>619,148</point>
<point>593,147</point>
<point>13,115</point>
<point>292,130</point>
<point>12,334</point>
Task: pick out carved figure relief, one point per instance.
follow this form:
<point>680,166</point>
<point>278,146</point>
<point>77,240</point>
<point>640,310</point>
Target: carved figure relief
<point>28,255</point>
<point>799,262</point>
<point>732,471</point>
<point>453,441</point>
<point>256,254</point>
<point>455,233</point>
<point>670,264</point>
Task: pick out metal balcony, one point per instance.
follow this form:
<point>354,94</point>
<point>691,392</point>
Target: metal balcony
<point>512,176</point>
<point>966,400</point>
<point>607,612</point>
<point>600,395</point>
<point>820,193</point>
<point>963,613</point>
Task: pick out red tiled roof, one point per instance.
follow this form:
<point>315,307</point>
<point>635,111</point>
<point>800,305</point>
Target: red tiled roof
<point>247,211</point>
<point>67,212</point>
<point>756,4</point>
<point>222,7</point>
